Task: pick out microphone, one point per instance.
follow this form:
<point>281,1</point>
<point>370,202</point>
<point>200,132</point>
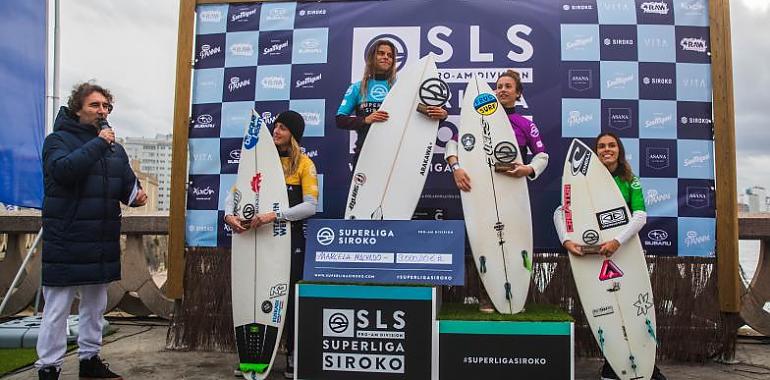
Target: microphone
<point>103,124</point>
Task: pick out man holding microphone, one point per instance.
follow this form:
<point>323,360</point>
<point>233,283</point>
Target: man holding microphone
<point>86,176</point>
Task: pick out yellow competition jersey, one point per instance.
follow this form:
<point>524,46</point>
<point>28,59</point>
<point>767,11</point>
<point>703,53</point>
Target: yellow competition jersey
<point>302,183</point>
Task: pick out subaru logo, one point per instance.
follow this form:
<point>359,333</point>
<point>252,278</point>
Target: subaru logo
<point>657,235</point>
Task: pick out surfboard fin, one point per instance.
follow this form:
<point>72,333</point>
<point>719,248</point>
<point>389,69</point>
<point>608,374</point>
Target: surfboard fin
<point>526,260</point>
<point>651,331</point>
<point>483,264</point>
<point>601,339</point>
<point>377,214</point>
<point>508,294</point>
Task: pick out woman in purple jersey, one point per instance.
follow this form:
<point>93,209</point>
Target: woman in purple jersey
<point>508,90</point>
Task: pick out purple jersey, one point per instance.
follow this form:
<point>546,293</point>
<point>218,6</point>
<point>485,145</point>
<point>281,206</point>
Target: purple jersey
<point>527,133</point>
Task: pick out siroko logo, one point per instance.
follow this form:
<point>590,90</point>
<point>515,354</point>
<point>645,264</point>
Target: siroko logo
<point>325,236</point>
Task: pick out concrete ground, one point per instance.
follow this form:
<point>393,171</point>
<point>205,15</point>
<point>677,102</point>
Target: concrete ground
<point>137,351</point>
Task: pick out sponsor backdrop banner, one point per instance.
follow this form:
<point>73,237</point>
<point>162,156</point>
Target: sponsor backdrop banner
<point>22,101</point>
<point>364,332</point>
<point>495,350</point>
<point>386,251</point>
<point>640,69</point>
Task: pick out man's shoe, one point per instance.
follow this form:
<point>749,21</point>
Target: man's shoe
<point>289,372</point>
<point>657,375</point>
<point>48,373</point>
<point>608,373</point>
<point>95,368</point>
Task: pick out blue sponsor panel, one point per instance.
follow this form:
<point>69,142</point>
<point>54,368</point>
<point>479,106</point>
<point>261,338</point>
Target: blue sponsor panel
<point>273,82</point>
<point>235,118</point>
<point>239,84</point>
<point>203,192</point>
<point>243,17</point>
<point>207,85</point>
<point>620,117</point>
<point>210,51</point>
<point>580,117</point>
<point>211,19</point>
<point>309,81</point>
<point>314,113</point>
<point>660,196</point>
<point>693,82</point>
<point>660,235</point>
<point>697,198</point>
<point>579,42</point>
<point>320,206</point>
<point>242,49</point>
<point>224,232</point>
<point>657,43</point>
<point>396,251</point>
<point>655,12</point>
<point>620,80</point>
<point>310,45</point>
<point>693,44</point>
<point>229,155</point>
<point>275,47</point>
<point>697,236</point>
<point>579,12</point>
<point>657,81</point>
<point>691,12</point>
<point>268,111</point>
<point>618,42</point>
<point>204,156</point>
<point>581,79</point>
<point>616,12</point>
<point>694,121</point>
<point>205,120</point>
<point>312,15</point>
<point>657,119</point>
<point>226,184</point>
<point>658,158</point>
<point>201,228</point>
<point>277,16</point>
<point>696,159</point>
<point>632,153</point>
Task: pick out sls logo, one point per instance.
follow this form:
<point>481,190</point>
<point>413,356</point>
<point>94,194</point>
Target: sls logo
<point>325,236</point>
<point>378,92</point>
<point>338,322</point>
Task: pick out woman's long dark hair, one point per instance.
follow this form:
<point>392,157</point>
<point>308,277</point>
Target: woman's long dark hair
<point>371,62</point>
<point>624,168</point>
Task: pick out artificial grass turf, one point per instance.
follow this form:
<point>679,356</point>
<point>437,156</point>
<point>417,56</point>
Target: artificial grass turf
<point>14,358</point>
<point>531,313</point>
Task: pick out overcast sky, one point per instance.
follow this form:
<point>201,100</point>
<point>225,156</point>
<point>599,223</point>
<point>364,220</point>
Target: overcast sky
<point>130,47</point>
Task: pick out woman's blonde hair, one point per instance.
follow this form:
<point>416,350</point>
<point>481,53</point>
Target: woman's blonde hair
<point>295,153</point>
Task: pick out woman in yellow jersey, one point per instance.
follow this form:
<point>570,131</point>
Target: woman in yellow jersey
<point>302,187</point>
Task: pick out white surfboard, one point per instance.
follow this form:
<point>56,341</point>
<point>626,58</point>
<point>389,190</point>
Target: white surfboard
<point>395,158</point>
<point>497,210</point>
<point>261,258</point>
<point>615,292</point>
